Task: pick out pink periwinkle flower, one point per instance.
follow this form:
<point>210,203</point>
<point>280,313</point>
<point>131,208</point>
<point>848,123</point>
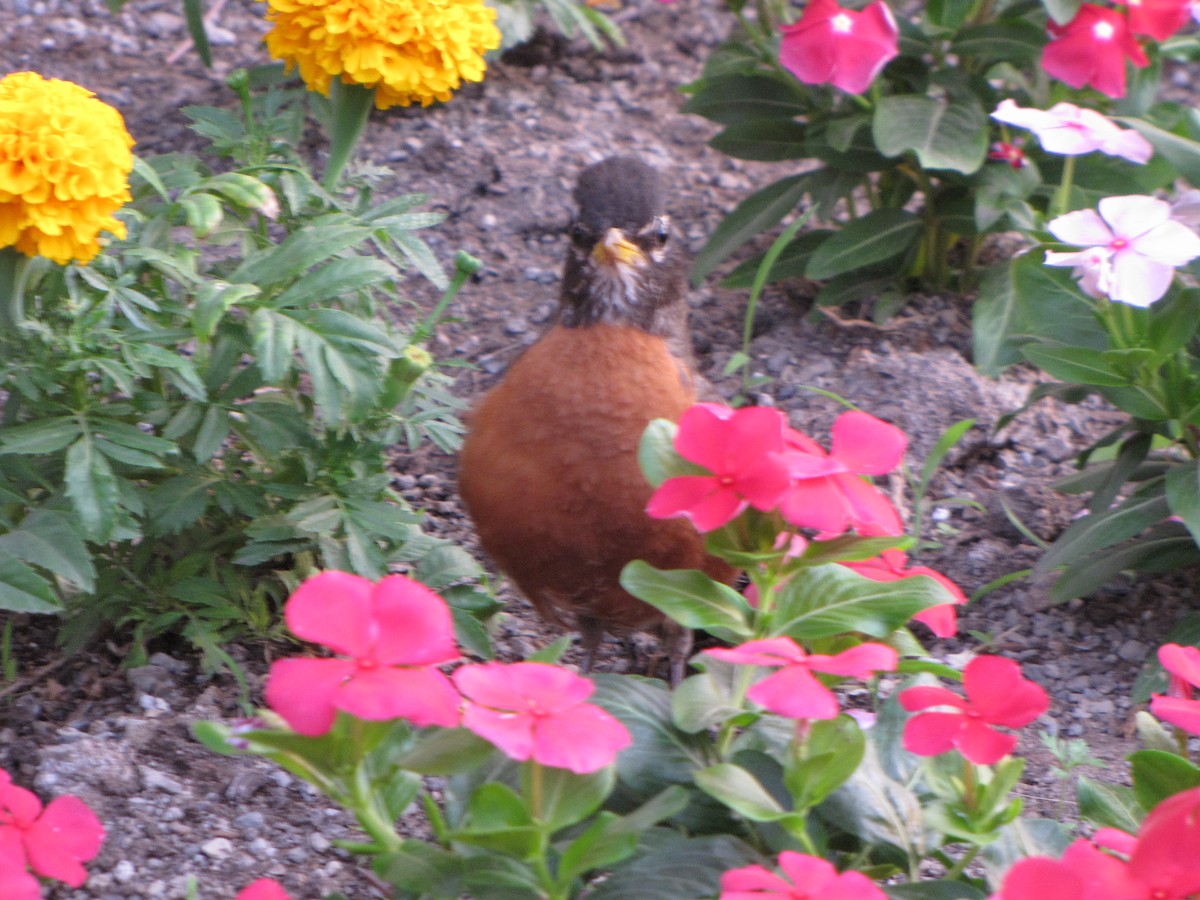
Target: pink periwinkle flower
<point>1158,19</point>
<point>537,711</point>
<point>804,878</point>
<point>1092,49</point>
<point>391,635</point>
<point>1011,153</point>
<point>1160,863</point>
<point>832,45</point>
<point>997,694</point>
<point>794,691</point>
<point>891,565</point>
<point>1177,706</point>
<point>741,448</point>
<point>1071,130</point>
<point>1132,246</point>
<point>827,492</point>
<point>263,889</point>
<point>54,841</point>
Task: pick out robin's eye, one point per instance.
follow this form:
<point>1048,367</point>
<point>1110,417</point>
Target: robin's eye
<point>661,233</point>
<point>579,235</point>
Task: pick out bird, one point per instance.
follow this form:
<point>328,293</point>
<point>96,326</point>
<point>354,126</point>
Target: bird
<point>548,470</point>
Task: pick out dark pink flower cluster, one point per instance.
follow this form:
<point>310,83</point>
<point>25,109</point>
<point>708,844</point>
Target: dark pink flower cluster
<point>393,634</point>
<point>1162,862</point>
<point>53,842</point>
<point>1094,46</point>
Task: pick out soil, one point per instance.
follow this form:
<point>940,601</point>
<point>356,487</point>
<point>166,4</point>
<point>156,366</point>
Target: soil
<point>500,160</point>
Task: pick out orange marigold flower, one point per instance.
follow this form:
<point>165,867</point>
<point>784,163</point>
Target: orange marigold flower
<point>408,50</point>
<point>65,159</point>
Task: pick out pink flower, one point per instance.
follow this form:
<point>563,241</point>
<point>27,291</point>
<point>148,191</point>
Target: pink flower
<point>1158,19</point>
<point>1003,151</point>
<point>1177,705</point>
<point>394,632</point>
<point>826,491</point>
<point>55,841</point>
<point>1132,248</point>
<point>1083,873</point>
<point>16,883</point>
<point>263,889</point>
<point>834,45</point>
<point>1166,859</point>
<point>1091,49</point>
<point>807,878</point>
<point>794,691</point>
<point>741,449</point>
<point>1071,130</point>
<point>890,566</point>
<point>536,711</point>
<point>997,694</point>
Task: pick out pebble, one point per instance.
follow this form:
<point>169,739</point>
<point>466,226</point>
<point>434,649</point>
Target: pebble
<point>249,821</point>
<point>217,848</point>
<point>319,842</point>
<point>124,871</point>
<point>1132,651</point>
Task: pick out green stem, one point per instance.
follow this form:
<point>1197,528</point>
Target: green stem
<point>1062,199</point>
<point>14,276</point>
<point>969,798</point>
<point>362,802</point>
<point>957,869</point>
<point>351,106</point>
<point>725,737</point>
<point>465,265</point>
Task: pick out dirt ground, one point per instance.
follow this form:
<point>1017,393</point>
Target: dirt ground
<point>500,160</point>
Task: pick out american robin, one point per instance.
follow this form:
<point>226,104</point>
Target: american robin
<point>549,470</point>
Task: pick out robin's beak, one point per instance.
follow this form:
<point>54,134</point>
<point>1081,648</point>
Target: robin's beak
<point>614,249</point>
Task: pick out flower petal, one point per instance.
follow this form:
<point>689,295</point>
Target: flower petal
<point>302,690</point>
<point>511,732</point>
<point>698,498</point>
<point>860,661</point>
<point>752,882</point>
<point>776,651</point>
<point>1083,228</point>
<point>1137,280</point>
<point>1039,877</point>
<point>333,608</point>
<point>810,874</point>
<point>1166,857</point>
<point>865,444</point>
<point>815,503</point>
<point>931,733</point>
<point>701,437</point>
<point>1000,694</point>
<point>65,836</point>
<point>1177,711</point>
<point>795,693</point>
<point>582,739</point>
<point>1181,662</point>
<point>423,696</point>
<point>412,625</point>
<point>263,889</point>
<point>525,686</point>
<point>983,745</point>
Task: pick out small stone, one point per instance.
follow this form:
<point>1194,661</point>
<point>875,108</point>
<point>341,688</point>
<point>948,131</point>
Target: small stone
<point>319,842</point>
<point>250,821</point>
<point>161,781</point>
<point>1132,651</point>
<point>124,872</point>
<point>217,848</point>
<point>515,325</point>
<point>297,855</point>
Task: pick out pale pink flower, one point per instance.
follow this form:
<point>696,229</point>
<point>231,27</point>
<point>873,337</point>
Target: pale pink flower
<point>537,711</point>
<point>1133,247</point>
<point>1071,130</point>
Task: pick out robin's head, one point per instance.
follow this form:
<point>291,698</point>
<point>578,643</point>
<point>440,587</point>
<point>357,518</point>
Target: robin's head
<point>624,264</point>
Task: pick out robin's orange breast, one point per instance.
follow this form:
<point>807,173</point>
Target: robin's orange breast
<point>549,473</point>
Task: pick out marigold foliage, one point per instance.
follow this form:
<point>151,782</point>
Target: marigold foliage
<point>408,50</point>
<point>65,159</point>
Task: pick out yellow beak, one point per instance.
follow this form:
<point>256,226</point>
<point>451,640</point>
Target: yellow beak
<point>616,250</point>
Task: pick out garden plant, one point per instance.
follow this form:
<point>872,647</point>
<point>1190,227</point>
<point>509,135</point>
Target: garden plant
<point>201,380</point>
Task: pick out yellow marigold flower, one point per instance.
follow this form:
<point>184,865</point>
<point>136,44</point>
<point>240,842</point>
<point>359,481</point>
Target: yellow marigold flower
<point>408,50</point>
<point>65,160</point>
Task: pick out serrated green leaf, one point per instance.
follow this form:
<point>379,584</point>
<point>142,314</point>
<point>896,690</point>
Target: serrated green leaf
<point>337,278</point>
<point>91,488</point>
<point>45,436</point>
<point>298,253</point>
<point>47,539</point>
<point>24,590</point>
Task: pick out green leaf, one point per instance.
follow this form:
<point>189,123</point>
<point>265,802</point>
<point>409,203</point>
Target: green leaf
<point>1157,775</point>
<point>1162,549</point>
<point>213,300</point>
<point>791,263</point>
<point>758,212</point>
<point>91,488</point>
<point>1181,152</point>
<point>1183,495</point>
<point>336,279</point>
<point>656,452</point>
<point>834,749</point>
<point>877,809</point>
<point>825,601</point>
<point>303,250</point>
<point>1108,805</point>
<point>568,798</point>
<point>671,866</point>
<point>612,838</point>
<point>444,751</point>
<point>1097,531</point>
<point>203,213</point>
<point>741,792</point>
<point>23,590</point>
<point>764,140</point>
<point>880,235</point>
<point>48,539</point>
<point>735,98</point>
<point>705,700</point>
<point>498,819</point>
<point>689,597</point>
<point>1016,41</point>
<point>1020,839</point>
<point>274,342</point>
<point>44,436</point>
<point>944,133</point>
<point>177,503</point>
<point>1080,365</point>
<point>1062,11</point>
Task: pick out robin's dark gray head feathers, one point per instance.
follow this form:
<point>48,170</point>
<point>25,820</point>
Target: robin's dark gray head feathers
<point>624,263</point>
